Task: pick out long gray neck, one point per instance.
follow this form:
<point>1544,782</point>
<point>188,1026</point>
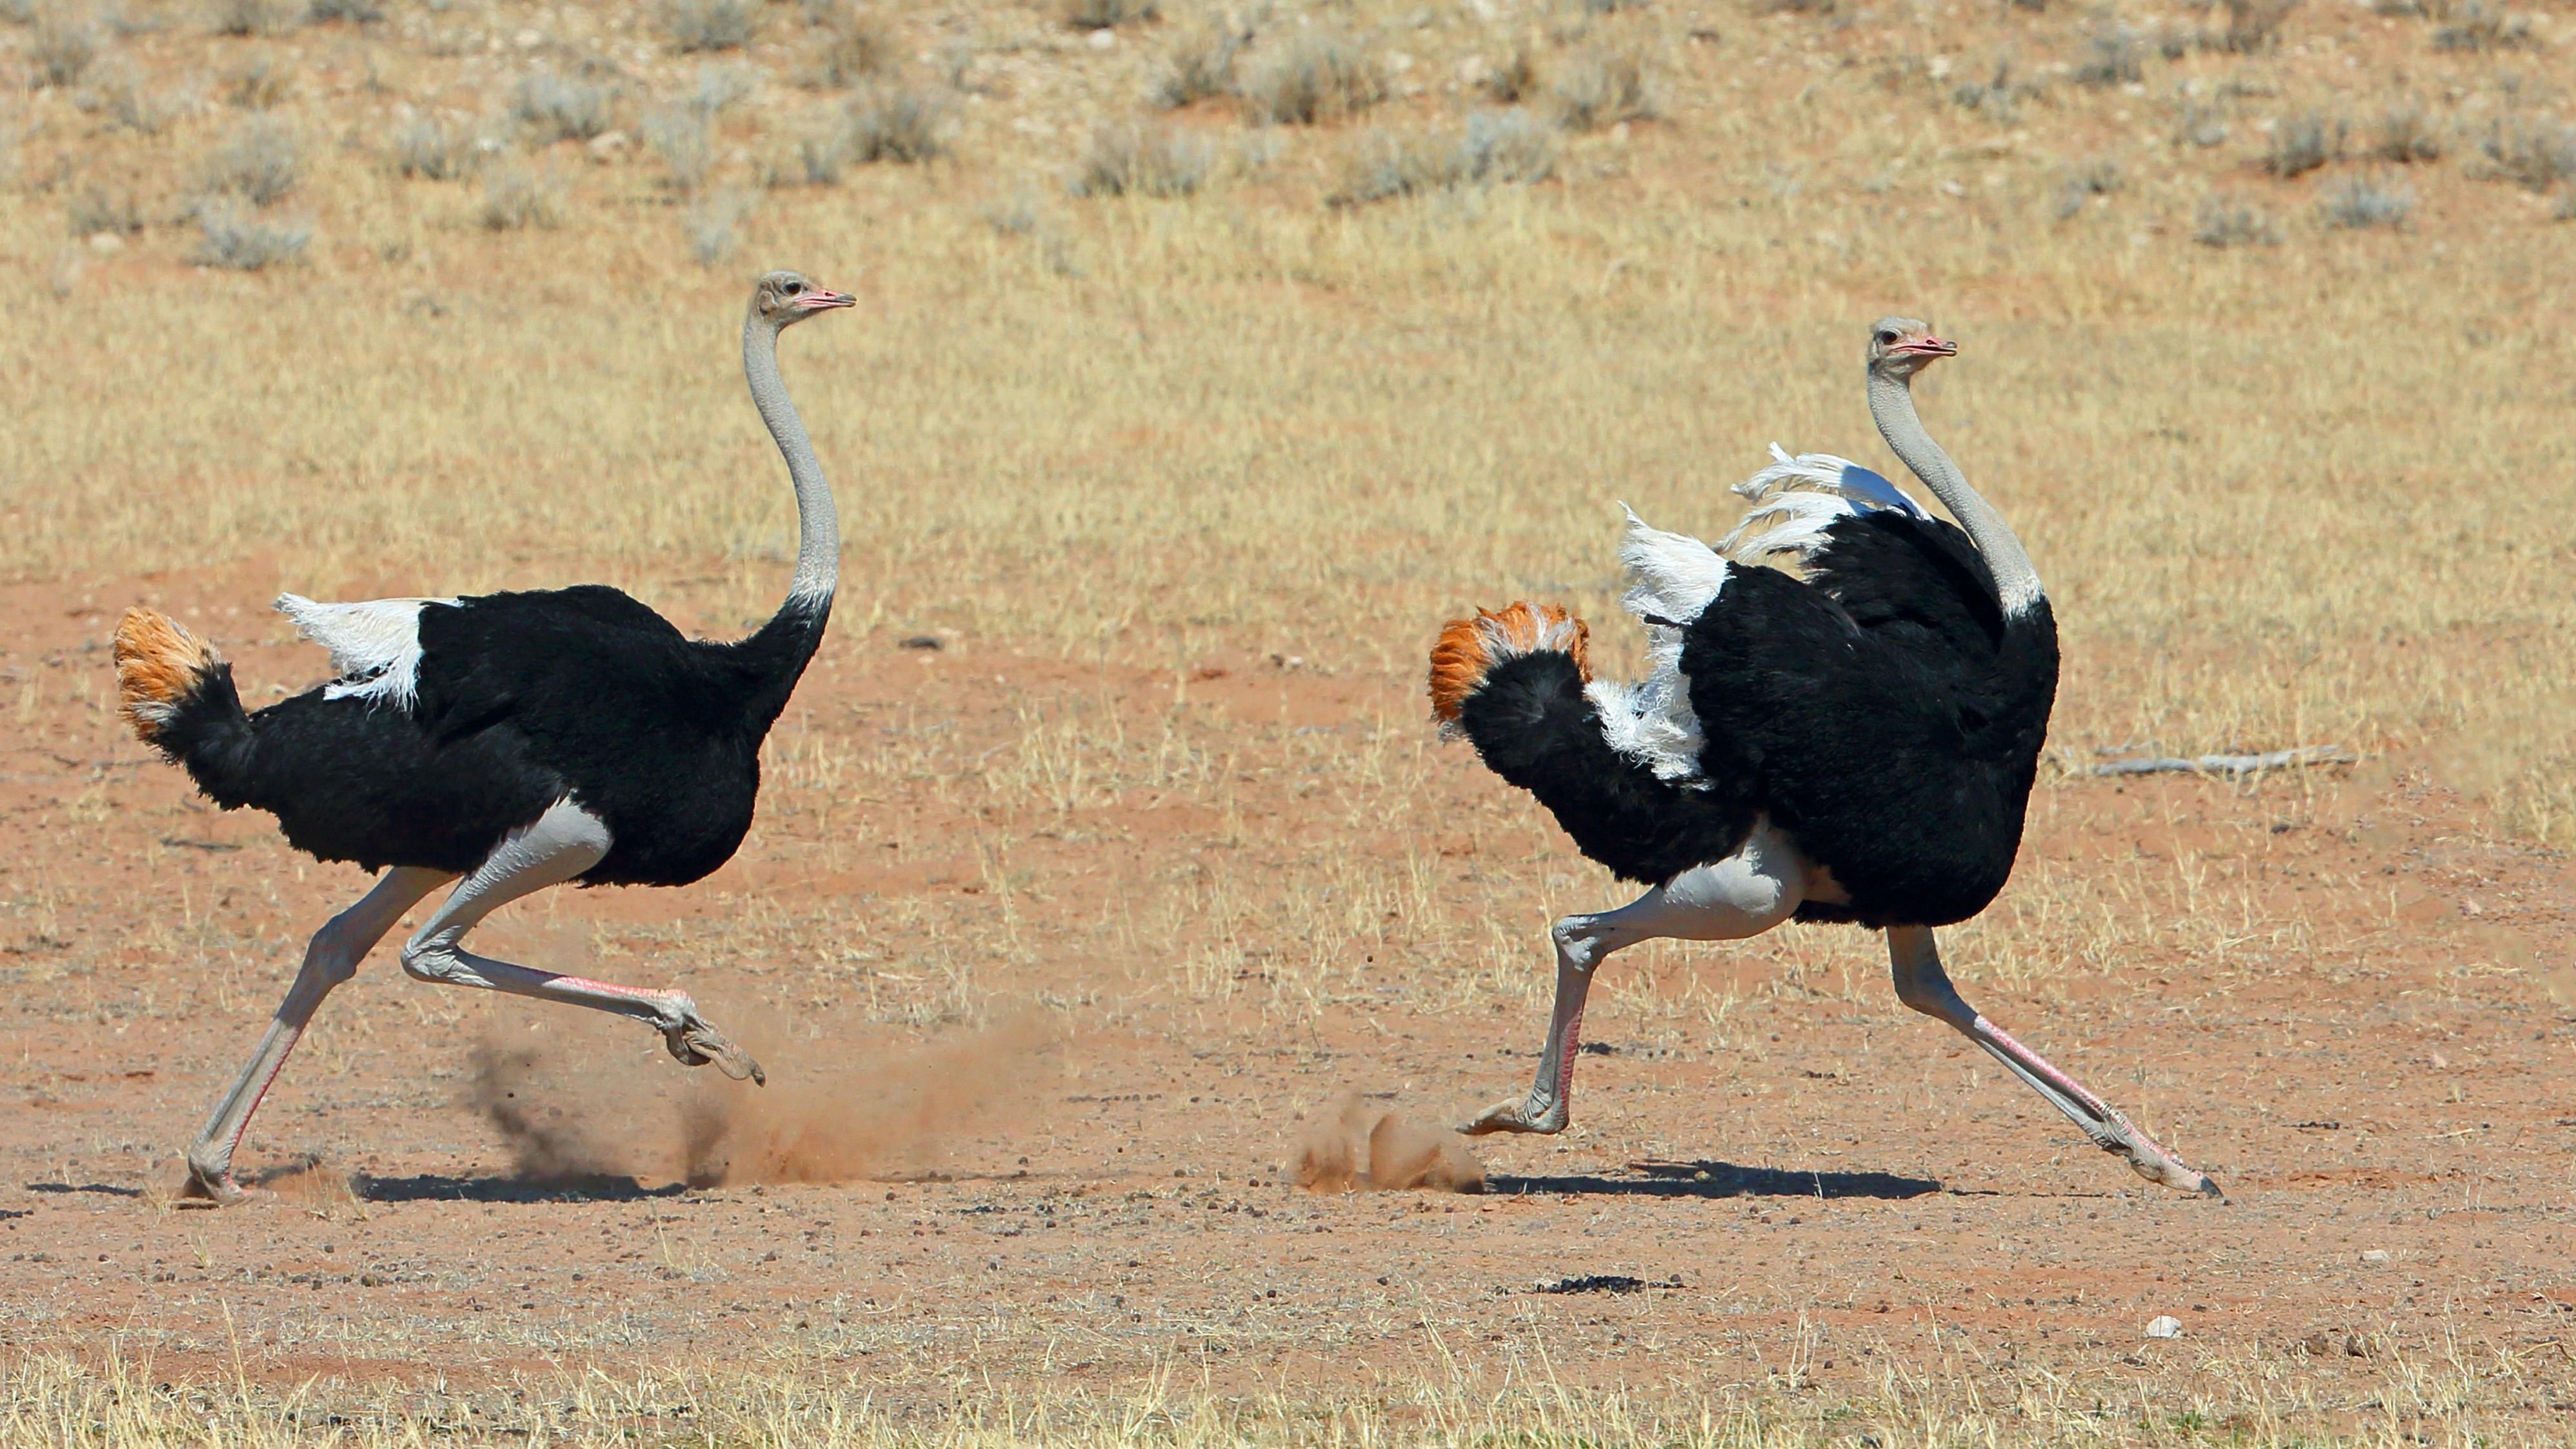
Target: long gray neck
<point>1891,405</point>
<point>818,524</point>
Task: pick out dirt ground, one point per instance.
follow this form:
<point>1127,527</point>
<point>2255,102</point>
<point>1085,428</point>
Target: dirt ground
<point>1063,1047</point>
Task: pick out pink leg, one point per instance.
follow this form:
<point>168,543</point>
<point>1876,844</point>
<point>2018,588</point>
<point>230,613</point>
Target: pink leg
<point>1744,895</point>
<point>330,959</point>
<point>1915,962</point>
<point>561,845</point>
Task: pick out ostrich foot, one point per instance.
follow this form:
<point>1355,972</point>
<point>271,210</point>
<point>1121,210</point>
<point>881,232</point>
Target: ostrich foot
<point>2121,1138</point>
<point>1519,1114</point>
<point>695,1042</point>
<point>210,1184</point>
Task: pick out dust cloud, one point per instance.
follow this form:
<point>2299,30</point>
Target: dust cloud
<point>1352,1146</point>
<point>589,1098</point>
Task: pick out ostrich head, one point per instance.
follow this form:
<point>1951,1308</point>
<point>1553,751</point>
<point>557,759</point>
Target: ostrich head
<point>1900,347</point>
<point>784,299</point>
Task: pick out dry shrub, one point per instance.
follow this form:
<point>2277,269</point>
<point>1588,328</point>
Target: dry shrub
<point>2358,203</point>
<point>1597,88</point>
<point>518,196</point>
<point>94,209</point>
<point>2253,26</point>
<point>1515,81</point>
<point>713,223</point>
<point>685,138</point>
<point>2533,153</point>
<point>64,42</point>
<point>1108,14</point>
<point>428,147</point>
<point>125,95</point>
<point>355,12</point>
<point>2478,27</point>
<point>697,25</point>
<point>260,82</point>
<point>254,17</point>
<point>2114,54</point>
<point>1132,158</point>
<point>1319,76</point>
<point>855,46</point>
<point>1200,66</point>
<point>1509,148</point>
<point>556,108</point>
<point>2302,143</point>
<point>899,123</point>
<point>2089,179</point>
<point>2405,136</point>
<point>2223,221</point>
<point>261,161</point>
<point>238,239</point>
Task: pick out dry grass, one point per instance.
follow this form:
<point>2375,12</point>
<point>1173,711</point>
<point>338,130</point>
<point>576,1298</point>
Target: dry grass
<point>1446,1399</point>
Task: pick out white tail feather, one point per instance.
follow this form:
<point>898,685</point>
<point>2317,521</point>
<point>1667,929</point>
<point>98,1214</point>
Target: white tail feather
<point>1672,576</point>
<point>374,644</point>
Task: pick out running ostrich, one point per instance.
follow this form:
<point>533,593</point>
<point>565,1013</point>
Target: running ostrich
<point>518,741</point>
<point>1856,746</point>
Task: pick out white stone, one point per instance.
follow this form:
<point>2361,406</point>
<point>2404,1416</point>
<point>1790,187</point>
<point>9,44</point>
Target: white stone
<point>2167,1326</point>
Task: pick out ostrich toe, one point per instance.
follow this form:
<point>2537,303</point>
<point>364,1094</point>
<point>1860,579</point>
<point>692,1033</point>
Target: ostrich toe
<point>696,1043</point>
<point>1516,1114</point>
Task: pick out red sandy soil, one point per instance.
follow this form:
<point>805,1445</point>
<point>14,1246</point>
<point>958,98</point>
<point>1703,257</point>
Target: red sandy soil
<point>1093,1171</point>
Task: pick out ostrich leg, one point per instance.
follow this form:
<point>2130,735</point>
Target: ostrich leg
<point>331,958</point>
<point>563,843</point>
<point>1743,895</point>
<point>1921,984</point>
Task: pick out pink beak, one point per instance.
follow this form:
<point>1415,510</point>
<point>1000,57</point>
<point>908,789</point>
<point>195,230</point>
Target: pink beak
<point>819,300</point>
<point>1928,346</point>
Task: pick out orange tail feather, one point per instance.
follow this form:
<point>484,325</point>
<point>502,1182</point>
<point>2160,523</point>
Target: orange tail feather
<point>1468,649</point>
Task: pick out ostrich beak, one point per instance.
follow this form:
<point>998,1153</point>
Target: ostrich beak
<point>820,301</point>
<point>1927,346</point>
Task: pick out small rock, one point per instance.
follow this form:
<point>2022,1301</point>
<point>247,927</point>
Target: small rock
<point>1473,70</point>
<point>920,641</point>
<point>528,39</point>
<point>105,243</point>
<point>1103,39</point>
<point>2166,1326</point>
<point>2374,1255</point>
<point>609,144</point>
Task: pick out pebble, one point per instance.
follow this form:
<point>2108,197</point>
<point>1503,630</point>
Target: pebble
<point>2374,1255</point>
<point>2166,1326</point>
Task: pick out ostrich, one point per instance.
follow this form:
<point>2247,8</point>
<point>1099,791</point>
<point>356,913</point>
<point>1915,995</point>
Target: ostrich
<point>517,741</point>
<point>1856,746</point>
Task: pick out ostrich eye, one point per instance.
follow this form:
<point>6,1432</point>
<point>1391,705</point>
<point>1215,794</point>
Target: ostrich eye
<point>1887,339</point>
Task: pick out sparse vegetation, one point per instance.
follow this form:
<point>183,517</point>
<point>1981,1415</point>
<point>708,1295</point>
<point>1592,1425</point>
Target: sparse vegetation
<point>2228,222</point>
<point>1200,66</point>
<point>129,100</point>
<point>713,225</point>
<point>1508,148</point>
<point>1598,88</point>
<point>254,17</point>
<point>684,137</point>
<point>517,196</point>
<point>2083,182</point>
<point>2302,143</point>
<point>1134,158</point>
<point>701,25</point>
<point>856,45</point>
<point>430,148</point>
<point>1516,81</point>
<point>2357,203</point>
<point>1108,14</point>
<point>555,108</point>
<point>899,123</point>
<point>260,162</point>
<point>2114,54</point>
<point>2253,26</point>
<point>354,12</point>
<point>238,239</point>
<point>95,209</point>
<point>2200,124</point>
<point>2479,26</point>
<point>260,81</point>
<point>1315,77</point>
<point>2532,152</point>
<point>2405,135</point>
<point>64,42</point>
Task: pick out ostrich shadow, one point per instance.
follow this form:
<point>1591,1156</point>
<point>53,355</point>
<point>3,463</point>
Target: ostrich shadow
<point>1719,1179</point>
<point>438,1187</point>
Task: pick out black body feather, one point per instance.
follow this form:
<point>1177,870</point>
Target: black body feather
<point>1882,712</point>
<point>1533,726</point>
<point>523,699</point>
